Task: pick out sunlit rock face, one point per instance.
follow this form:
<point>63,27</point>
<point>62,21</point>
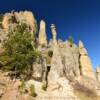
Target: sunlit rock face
<point>85,62</point>
<point>42,33</point>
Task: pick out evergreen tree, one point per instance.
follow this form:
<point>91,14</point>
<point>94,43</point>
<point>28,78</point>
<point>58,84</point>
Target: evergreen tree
<point>20,50</point>
<point>70,39</point>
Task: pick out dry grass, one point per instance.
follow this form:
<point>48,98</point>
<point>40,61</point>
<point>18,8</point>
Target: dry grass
<point>83,96</point>
<point>85,93</point>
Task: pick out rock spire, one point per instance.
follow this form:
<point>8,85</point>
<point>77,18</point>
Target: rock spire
<point>42,33</point>
<point>85,62</point>
<point>54,34</point>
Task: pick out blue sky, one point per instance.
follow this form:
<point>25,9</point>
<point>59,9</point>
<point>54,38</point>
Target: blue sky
<point>79,18</point>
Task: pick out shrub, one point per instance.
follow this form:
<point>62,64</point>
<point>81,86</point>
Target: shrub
<point>21,88</point>
<point>44,86</point>
<point>71,40</point>
<point>32,91</point>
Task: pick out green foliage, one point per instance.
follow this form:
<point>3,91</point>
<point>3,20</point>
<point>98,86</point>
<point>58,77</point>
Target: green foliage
<point>44,86</point>
<point>21,88</point>
<point>32,91</point>
<point>20,50</point>
<point>70,39</point>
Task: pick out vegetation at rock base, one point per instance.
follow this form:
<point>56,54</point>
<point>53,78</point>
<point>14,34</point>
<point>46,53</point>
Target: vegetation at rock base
<point>44,86</point>
<point>21,88</point>
<point>20,51</point>
<point>32,91</point>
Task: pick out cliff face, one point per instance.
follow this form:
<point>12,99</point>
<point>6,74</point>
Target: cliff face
<point>11,20</point>
<point>62,65</point>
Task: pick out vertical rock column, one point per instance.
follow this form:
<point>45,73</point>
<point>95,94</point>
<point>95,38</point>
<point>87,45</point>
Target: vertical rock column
<point>85,62</point>
<point>42,34</point>
<point>56,70</point>
<point>54,34</point>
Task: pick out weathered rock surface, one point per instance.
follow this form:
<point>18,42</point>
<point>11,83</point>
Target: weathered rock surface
<point>70,59</point>
<point>85,62</point>
<point>42,34</point>
<point>40,69</point>
<point>98,74</point>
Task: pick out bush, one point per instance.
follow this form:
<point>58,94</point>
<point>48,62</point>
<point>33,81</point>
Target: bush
<point>32,91</point>
<point>22,87</point>
<point>44,87</point>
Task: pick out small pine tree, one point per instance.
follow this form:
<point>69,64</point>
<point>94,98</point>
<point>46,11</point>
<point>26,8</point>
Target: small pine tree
<point>70,39</point>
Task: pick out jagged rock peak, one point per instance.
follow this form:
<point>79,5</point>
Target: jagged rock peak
<point>81,45</point>
<point>85,62</point>
<point>54,33</point>
<point>42,33</point>
<point>53,30</point>
<point>82,49</point>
